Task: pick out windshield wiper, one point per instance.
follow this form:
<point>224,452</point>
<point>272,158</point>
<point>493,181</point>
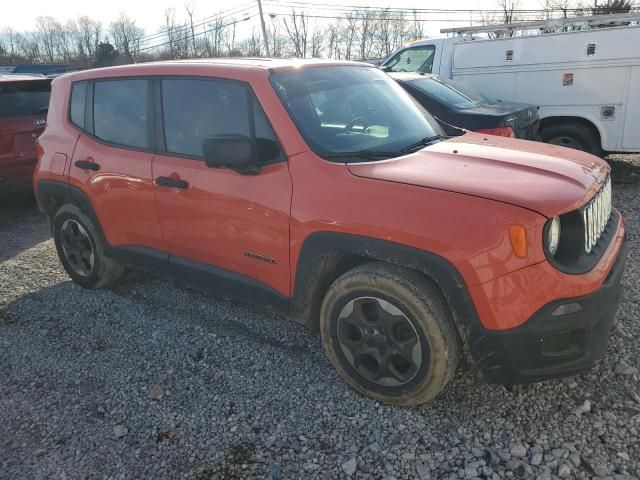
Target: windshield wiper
<point>365,154</point>
<point>421,143</point>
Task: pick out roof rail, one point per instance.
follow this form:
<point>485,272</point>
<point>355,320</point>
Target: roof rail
<point>549,24</point>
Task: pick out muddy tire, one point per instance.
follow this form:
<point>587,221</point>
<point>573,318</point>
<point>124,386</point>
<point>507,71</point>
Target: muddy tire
<point>572,135</point>
<point>81,249</point>
<point>388,332</point>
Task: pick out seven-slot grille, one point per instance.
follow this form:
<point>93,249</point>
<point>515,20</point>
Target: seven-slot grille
<point>596,215</point>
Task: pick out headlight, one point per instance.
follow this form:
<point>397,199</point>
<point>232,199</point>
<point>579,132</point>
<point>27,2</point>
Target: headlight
<point>553,236</point>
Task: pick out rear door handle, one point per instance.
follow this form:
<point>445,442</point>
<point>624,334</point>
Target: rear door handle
<point>171,182</point>
<point>86,165</point>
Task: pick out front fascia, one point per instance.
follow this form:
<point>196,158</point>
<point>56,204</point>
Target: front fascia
<point>510,300</point>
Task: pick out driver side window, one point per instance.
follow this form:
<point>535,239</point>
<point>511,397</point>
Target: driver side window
<point>413,59</point>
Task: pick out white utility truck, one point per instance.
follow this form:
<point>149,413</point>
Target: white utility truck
<point>582,72</point>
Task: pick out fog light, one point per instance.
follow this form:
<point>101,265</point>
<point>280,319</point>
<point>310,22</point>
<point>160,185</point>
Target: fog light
<point>566,309</point>
<point>566,343</point>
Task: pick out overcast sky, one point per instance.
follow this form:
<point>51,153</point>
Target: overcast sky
<point>20,15</point>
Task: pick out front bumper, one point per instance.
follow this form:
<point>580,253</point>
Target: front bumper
<point>564,337</point>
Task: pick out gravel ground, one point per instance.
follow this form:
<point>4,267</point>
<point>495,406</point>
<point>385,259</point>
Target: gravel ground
<point>153,379</point>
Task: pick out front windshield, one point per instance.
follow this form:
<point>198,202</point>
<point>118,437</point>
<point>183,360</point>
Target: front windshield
<point>343,110</point>
<point>451,93</point>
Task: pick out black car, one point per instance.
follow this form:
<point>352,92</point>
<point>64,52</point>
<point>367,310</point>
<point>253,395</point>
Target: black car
<point>455,105</point>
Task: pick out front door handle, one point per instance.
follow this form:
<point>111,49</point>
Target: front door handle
<point>86,165</point>
<point>171,182</point>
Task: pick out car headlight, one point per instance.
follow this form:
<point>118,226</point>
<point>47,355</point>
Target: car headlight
<point>553,236</point>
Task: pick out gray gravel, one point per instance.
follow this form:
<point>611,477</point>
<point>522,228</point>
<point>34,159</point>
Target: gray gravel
<point>154,379</point>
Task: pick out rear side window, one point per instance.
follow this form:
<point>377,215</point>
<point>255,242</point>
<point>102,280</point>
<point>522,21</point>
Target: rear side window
<point>120,112</point>
<point>24,99</point>
<point>414,59</point>
<point>194,109</point>
<point>78,96</point>
<point>451,93</point>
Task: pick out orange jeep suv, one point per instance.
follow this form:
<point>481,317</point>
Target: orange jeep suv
<point>323,188</point>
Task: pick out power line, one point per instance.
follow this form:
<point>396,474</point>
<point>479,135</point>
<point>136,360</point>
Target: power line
<point>245,7</point>
<point>204,32</point>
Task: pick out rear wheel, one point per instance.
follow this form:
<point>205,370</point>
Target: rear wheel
<point>387,331</point>
<point>572,135</point>
<point>81,249</point>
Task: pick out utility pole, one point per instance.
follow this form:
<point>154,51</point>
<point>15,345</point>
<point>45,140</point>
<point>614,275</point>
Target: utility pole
<point>264,30</point>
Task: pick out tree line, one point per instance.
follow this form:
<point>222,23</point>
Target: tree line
<point>359,34</point>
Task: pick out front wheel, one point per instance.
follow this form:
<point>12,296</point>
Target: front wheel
<point>81,249</point>
<point>388,333</point>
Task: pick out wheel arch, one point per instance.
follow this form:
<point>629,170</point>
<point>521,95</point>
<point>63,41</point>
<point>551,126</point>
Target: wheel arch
<point>52,194</point>
<point>325,256</point>
<point>554,120</point>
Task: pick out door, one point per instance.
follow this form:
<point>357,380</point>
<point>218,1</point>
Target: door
<point>631,134</point>
<point>111,162</point>
<point>23,106</point>
<point>215,220</point>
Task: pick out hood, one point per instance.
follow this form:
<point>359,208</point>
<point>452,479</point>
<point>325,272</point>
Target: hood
<point>544,178</point>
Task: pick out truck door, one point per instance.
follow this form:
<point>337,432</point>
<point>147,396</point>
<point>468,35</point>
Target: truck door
<point>631,133</point>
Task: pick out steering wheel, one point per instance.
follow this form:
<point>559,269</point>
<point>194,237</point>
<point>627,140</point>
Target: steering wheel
<point>349,126</point>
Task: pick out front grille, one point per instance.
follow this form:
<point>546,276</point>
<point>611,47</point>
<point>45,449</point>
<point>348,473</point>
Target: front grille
<point>596,215</point>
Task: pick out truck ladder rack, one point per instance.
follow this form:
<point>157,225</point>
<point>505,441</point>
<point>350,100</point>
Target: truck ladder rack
<point>551,24</point>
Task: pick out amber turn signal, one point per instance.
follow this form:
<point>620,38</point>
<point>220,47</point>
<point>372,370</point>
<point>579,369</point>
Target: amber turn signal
<point>518,237</point>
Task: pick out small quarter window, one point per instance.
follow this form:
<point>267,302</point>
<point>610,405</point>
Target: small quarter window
<point>78,96</point>
<point>266,141</point>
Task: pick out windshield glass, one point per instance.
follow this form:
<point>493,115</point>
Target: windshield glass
<point>339,110</point>
<point>451,93</point>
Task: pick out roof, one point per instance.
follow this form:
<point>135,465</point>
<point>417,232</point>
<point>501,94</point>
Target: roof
<point>21,78</point>
<point>266,63</point>
<point>227,63</point>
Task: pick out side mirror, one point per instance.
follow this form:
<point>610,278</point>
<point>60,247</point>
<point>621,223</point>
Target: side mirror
<point>233,151</point>
<point>385,69</point>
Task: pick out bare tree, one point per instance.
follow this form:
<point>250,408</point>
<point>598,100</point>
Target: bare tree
<point>392,31</point>
<point>275,38</point>
<point>218,31</point>
<point>349,34</point>
<point>418,26</point>
<point>8,44</point>
<point>190,9</point>
<point>333,40</point>
<point>126,35</point>
<point>318,39</point>
<point>88,33</point>
<point>296,29</point>
<point>170,32</point>
<point>509,10</point>
<point>252,46</point>
<point>46,31</point>
<point>368,20</point>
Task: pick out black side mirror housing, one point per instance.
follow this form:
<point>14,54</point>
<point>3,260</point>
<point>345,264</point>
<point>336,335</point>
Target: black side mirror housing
<point>234,151</point>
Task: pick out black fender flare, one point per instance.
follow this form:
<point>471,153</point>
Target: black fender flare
<point>52,194</point>
<point>325,256</point>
